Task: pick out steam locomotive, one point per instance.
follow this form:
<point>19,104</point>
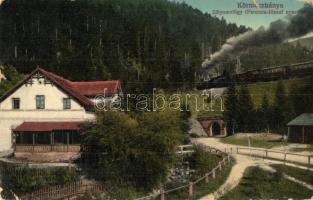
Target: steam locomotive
<point>261,75</point>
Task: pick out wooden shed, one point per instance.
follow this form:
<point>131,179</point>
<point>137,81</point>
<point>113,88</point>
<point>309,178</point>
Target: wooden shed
<point>300,129</point>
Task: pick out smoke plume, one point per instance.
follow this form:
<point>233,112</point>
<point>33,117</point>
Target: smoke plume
<point>278,32</point>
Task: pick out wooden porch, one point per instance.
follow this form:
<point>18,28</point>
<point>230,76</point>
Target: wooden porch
<point>44,137</point>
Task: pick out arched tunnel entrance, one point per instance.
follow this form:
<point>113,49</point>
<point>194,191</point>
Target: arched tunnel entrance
<point>214,127</point>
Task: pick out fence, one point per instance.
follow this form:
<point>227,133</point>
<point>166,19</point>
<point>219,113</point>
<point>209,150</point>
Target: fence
<point>189,188</point>
<point>64,191</point>
<point>20,168</point>
<point>273,154</point>
<point>185,149</point>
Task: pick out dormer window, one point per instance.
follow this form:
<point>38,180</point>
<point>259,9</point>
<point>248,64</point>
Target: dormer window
<point>40,102</point>
<point>16,103</point>
<point>66,103</point>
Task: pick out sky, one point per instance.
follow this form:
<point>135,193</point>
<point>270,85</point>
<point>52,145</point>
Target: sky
<point>251,20</point>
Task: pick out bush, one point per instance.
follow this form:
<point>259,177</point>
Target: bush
<point>23,180</point>
<point>194,135</point>
<point>140,150</point>
<point>203,162</point>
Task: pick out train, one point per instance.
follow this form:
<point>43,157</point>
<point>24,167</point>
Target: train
<point>260,75</point>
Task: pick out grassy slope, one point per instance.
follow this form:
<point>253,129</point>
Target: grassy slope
<point>260,184</point>
<point>301,149</point>
<point>300,174</point>
<point>253,143</point>
<point>258,90</point>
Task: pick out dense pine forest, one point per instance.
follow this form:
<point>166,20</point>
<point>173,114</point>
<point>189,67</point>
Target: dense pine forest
<point>137,41</point>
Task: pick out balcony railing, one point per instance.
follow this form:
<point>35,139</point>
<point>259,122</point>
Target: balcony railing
<point>47,148</point>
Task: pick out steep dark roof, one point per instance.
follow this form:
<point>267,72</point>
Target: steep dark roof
<point>305,119</point>
<point>77,90</point>
<point>96,88</point>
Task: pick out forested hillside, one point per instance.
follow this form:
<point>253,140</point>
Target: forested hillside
<point>153,41</point>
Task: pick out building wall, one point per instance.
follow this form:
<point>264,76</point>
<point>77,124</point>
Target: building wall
<point>27,94</point>
<point>296,135</point>
<point>53,111</point>
<point>2,77</point>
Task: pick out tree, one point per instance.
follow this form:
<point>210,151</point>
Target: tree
<point>139,150</point>
<point>281,109</point>
<point>301,97</point>
<point>264,114</point>
<point>12,78</point>
<point>231,109</point>
<point>246,118</point>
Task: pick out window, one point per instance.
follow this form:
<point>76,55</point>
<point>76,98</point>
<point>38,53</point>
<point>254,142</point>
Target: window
<point>66,103</point>
<point>16,103</point>
<point>40,102</point>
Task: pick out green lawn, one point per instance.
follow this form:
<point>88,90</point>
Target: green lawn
<point>300,174</point>
<point>260,184</point>
<point>254,143</point>
<point>299,149</point>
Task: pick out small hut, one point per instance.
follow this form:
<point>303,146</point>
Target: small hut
<point>300,129</point>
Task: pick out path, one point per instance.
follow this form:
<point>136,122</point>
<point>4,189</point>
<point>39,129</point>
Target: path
<point>299,157</point>
<point>0,193</point>
<point>15,196</point>
<point>304,184</point>
<point>242,163</point>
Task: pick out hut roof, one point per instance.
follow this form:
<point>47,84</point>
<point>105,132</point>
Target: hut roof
<point>305,119</point>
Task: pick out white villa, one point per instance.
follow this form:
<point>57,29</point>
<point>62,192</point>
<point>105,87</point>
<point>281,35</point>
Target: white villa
<point>44,112</point>
<point>2,77</point>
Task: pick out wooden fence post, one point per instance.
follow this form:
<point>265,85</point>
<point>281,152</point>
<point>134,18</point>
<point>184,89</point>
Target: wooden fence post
<point>206,178</point>
<point>237,150</point>
<point>228,158</point>
<point>285,156</point>
<point>266,153</point>
<point>214,174</point>
<point>162,196</point>
<point>220,166</point>
<point>190,191</point>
